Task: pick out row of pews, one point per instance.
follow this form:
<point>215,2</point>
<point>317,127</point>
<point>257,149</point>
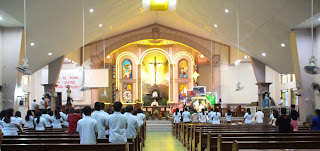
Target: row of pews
<point>235,137</point>
<point>57,140</point>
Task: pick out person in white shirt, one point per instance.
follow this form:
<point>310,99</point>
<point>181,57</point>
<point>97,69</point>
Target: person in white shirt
<point>29,119</point>
<point>216,117</point>
<point>133,123</point>
<point>10,124</point>
<point>248,117</point>
<point>154,103</point>
<point>39,122</point>
<point>101,119</point>
<point>259,116</point>
<point>106,114</point>
<point>33,105</point>
<point>195,117</point>
<point>210,115</point>
<point>142,116</point>
<point>117,123</point>
<point>47,117</point>
<point>203,117</point>
<point>281,102</point>
<point>228,116</point>
<point>273,117</point>
<point>41,104</point>
<point>87,128</point>
<point>65,118</point>
<point>19,119</point>
<point>186,116</point>
<point>56,120</point>
<point>176,116</point>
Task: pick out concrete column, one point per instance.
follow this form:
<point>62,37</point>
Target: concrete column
<point>139,82</point>
<point>259,69</point>
<point>171,84</point>
<point>94,96</point>
<point>301,52</point>
<point>217,80</point>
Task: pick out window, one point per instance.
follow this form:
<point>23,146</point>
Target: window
<point>183,68</point>
<point>284,78</point>
<point>294,97</point>
<point>293,77</point>
<point>127,93</point>
<point>284,95</point>
<point>25,79</point>
<point>127,69</point>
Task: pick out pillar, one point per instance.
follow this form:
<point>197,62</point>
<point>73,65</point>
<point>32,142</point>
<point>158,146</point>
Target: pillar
<point>139,83</point>
<point>171,85</point>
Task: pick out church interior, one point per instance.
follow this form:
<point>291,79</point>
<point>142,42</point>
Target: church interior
<point>164,57</point>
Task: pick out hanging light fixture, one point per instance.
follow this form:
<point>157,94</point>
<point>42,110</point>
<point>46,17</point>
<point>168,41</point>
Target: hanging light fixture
<point>24,69</point>
<point>104,63</point>
<point>239,87</point>
<point>312,68</point>
<point>83,88</point>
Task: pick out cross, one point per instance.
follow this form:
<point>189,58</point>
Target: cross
<point>155,63</point>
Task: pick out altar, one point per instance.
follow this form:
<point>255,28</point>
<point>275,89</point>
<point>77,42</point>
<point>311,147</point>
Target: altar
<point>151,109</point>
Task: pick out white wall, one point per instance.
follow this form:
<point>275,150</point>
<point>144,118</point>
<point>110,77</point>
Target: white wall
<point>0,70</point>
<point>317,77</point>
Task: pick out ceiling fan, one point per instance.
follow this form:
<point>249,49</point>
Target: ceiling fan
<point>83,87</point>
<point>104,64</point>
<point>239,87</point>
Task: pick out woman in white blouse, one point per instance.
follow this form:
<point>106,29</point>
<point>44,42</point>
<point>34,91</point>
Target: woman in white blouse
<point>176,116</point>
<point>29,119</point>
<point>19,119</point>
<point>248,117</point>
<point>10,124</point>
<point>216,117</point>
<point>228,116</point>
<point>39,122</point>
<point>56,120</point>
<point>203,117</point>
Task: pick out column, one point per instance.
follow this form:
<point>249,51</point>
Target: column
<point>171,84</point>
<point>139,82</point>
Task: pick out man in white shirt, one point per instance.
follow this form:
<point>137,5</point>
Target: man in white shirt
<point>101,119</point>
<point>154,103</point>
<point>142,116</point>
<point>133,123</point>
<point>117,123</point>
<point>186,116</point>
<point>281,102</point>
<point>33,106</point>
<point>259,116</point>
<point>87,128</point>
<point>210,115</point>
<point>42,104</point>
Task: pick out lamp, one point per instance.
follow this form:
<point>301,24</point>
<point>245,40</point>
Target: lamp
<point>159,5</point>
<point>195,76</point>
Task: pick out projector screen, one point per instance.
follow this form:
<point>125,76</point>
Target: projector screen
<point>97,78</point>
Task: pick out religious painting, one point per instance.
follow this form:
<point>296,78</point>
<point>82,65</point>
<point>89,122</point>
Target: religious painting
<point>127,93</point>
<point>183,68</point>
<point>199,90</point>
<point>183,92</point>
<point>127,69</point>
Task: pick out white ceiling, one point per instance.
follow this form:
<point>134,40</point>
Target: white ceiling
<point>56,25</point>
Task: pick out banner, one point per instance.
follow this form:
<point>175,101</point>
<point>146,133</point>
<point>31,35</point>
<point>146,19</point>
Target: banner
<point>72,77</point>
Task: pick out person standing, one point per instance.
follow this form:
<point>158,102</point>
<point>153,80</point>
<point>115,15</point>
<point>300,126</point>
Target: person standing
<point>203,116</point>
<point>259,116</point>
<point>87,128</point>
<point>273,117</point>
<point>142,116</point>
<point>210,115</point>
<point>195,117</point>
<point>281,102</point>
<point>68,94</point>
<point>29,119</point>
<point>42,104</point>
<point>284,122</point>
<point>315,122</point>
<point>294,118</point>
<point>73,119</point>
<point>248,117</point>
<point>56,120</point>
<point>186,116</point>
<point>216,116</point>
<point>10,124</point>
<point>33,106</point>
<point>117,123</point>
<point>133,123</point>
<point>47,117</point>
<point>228,116</point>
<point>176,116</point>
<point>39,122</point>
<point>101,119</point>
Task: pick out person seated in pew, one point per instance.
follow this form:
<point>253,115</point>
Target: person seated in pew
<point>294,118</point>
<point>210,115</point>
<point>273,117</point>
<point>101,119</point>
<point>315,122</point>
<point>47,117</point>
<point>195,117</point>
<point>39,122</point>
<point>186,116</point>
<point>10,124</point>
<point>135,113</point>
<point>228,116</point>
<point>87,128</point>
<point>259,116</point>
<point>73,119</point>
<point>248,117</point>
<point>29,119</point>
<point>117,123</point>
<point>216,116</point>
<point>176,116</point>
<point>56,120</point>
<point>203,116</point>
<point>19,119</point>
<point>284,122</point>
<point>133,123</point>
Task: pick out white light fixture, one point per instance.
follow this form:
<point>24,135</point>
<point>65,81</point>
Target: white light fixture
<point>215,25</point>
<point>0,18</point>
<point>66,59</point>
<point>91,10</point>
<point>100,25</point>
<point>72,61</point>
<point>32,44</point>
<point>226,11</point>
<point>169,42</point>
<point>264,54</point>
<point>283,45</point>
<point>159,5</point>
<point>108,57</point>
<point>201,56</point>
<point>245,57</point>
<point>319,19</point>
<point>141,42</point>
<point>49,53</point>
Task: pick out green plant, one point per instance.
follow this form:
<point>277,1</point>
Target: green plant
<point>164,101</point>
<point>147,115</point>
<point>156,111</point>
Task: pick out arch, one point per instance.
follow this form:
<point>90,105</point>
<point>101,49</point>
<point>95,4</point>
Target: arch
<point>117,66</point>
<point>184,53</point>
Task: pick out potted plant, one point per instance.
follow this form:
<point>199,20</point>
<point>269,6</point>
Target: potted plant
<point>147,115</point>
<point>166,115</point>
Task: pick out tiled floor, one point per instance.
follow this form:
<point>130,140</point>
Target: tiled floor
<point>162,141</point>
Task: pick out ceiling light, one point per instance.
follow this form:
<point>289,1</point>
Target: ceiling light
<point>283,45</point>
<point>49,53</point>
<point>108,57</point>
<point>65,58</point>
<point>100,25</point>
<point>215,25</point>
<point>319,19</point>
<point>201,56</point>
<point>32,44</point>
<point>245,57</point>
<point>0,18</point>
<point>263,54</point>
<point>159,5</point>
<point>91,10</point>
<point>226,11</point>
<point>141,42</point>
<point>169,42</point>
<point>72,61</point>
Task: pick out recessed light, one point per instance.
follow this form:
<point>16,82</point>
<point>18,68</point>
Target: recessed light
<point>215,25</point>
<point>108,57</point>
<point>32,44</point>
<point>263,54</point>
<point>283,45</point>
<point>91,10</point>
<point>319,19</point>
<point>141,42</point>
<point>100,25</point>
<point>169,42</point>
<point>226,11</point>
<point>0,18</point>
<point>201,56</point>
<point>72,61</point>
<point>245,57</point>
<point>49,53</point>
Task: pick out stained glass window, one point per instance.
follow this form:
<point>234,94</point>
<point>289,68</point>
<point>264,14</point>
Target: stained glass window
<point>127,93</point>
<point>183,92</point>
<point>127,69</point>
<point>183,68</point>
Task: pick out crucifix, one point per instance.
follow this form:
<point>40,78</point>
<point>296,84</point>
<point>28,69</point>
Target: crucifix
<point>155,63</point>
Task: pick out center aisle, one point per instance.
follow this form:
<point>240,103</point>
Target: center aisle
<point>160,138</point>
